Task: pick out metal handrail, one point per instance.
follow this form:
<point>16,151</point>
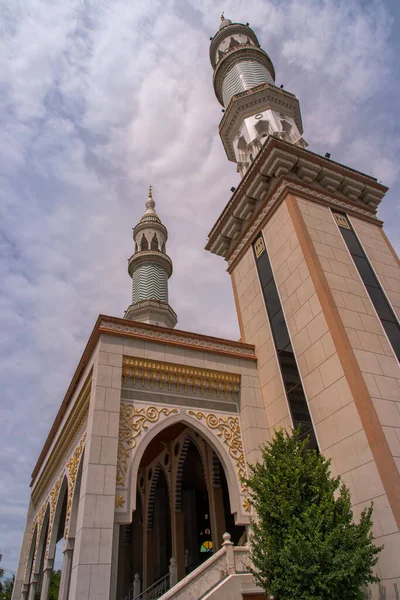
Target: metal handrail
<point>154,591</point>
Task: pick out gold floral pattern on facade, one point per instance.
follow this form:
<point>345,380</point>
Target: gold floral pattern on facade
<point>72,468</point>
<point>53,503</point>
<point>39,522</point>
<point>119,501</point>
<point>180,377</point>
<point>132,421</point>
<point>228,429</point>
<point>246,505</point>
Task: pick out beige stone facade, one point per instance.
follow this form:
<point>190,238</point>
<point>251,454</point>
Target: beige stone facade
<point>141,477</point>
<point>134,382</point>
<point>350,374</point>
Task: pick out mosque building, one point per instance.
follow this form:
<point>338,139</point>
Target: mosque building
<point>142,472</point>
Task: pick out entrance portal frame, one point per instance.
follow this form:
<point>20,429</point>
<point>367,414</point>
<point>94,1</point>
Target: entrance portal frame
<point>233,463</point>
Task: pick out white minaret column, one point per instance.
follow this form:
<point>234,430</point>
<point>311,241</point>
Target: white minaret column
<point>244,83</point>
<point>150,268</point>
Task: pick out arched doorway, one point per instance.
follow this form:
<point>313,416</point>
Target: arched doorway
<point>182,509</point>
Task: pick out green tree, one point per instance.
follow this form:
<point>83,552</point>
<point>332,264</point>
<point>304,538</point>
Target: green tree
<point>54,585</point>
<point>305,545</point>
<point>7,588</point>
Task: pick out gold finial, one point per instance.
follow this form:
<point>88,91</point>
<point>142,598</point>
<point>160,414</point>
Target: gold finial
<point>222,17</point>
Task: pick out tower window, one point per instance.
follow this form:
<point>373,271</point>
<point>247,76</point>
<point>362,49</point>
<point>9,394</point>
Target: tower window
<point>287,361</point>
<point>154,242</point>
<point>370,280</point>
<point>144,244</point>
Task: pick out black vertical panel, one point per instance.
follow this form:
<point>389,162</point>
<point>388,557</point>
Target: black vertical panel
<point>386,315</point>
<point>287,360</point>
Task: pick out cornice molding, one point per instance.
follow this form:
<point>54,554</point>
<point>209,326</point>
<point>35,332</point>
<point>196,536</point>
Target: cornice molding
<point>320,178</point>
<point>286,187</point>
<point>178,338</point>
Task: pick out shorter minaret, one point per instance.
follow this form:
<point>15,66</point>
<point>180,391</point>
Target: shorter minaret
<point>150,268</point>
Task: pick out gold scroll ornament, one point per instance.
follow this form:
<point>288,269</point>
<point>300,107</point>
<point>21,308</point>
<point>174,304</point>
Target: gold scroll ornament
<point>131,424</point>
<point>72,467</point>
<point>228,429</point>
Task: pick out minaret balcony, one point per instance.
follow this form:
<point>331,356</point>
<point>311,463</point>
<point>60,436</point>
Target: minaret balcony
<point>153,256</point>
<point>256,100</point>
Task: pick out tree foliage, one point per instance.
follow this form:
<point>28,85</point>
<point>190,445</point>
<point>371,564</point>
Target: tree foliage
<point>6,588</point>
<point>305,545</point>
<point>54,585</point>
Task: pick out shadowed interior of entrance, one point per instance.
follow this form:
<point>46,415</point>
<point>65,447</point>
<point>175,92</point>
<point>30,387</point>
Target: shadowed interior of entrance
<point>182,510</point>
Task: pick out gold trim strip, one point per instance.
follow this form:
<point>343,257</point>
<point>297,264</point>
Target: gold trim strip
<point>73,424</point>
<point>179,375</point>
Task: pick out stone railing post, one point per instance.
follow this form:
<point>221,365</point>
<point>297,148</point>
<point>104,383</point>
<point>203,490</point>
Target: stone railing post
<point>136,586</point>
<point>173,572</point>
<point>230,558</point>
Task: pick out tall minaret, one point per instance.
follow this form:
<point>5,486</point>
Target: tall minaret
<point>244,83</point>
<point>150,268</point>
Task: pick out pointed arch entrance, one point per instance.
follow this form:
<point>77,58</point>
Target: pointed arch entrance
<point>181,510</point>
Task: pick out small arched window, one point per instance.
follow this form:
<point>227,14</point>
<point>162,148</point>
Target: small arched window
<point>144,244</point>
<point>154,242</point>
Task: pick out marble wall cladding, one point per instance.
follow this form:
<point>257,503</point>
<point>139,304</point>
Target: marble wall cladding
<point>338,426</point>
<point>379,366</point>
<point>341,435</point>
<point>380,254</point>
<point>91,569</point>
<point>257,331</point>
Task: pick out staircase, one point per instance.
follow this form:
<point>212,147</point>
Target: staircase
<point>224,575</point>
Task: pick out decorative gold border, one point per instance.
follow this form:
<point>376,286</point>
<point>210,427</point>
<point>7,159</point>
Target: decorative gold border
<point>72,468</point>
<point>179,375</point>
<point>51,501</point>
<point>72,426</point>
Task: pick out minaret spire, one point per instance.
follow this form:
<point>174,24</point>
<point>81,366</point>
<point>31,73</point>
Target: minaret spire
<point>244,83</point>
<point>150,268</point>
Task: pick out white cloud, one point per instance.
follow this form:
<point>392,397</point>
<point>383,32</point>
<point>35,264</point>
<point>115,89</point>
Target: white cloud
<point>101,98</point>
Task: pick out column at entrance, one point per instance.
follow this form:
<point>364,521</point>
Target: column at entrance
<point>47,571</point>
<point>33,586</point>
<point>66,569</point>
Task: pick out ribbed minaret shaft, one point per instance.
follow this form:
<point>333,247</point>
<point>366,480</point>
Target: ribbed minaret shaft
<point>244,83</point>
<point>150,268</point>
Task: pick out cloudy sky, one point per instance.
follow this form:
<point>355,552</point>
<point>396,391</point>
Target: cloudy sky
<point>100,98</point>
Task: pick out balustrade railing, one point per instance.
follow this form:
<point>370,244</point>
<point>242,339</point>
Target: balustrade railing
<point>153,592</point>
